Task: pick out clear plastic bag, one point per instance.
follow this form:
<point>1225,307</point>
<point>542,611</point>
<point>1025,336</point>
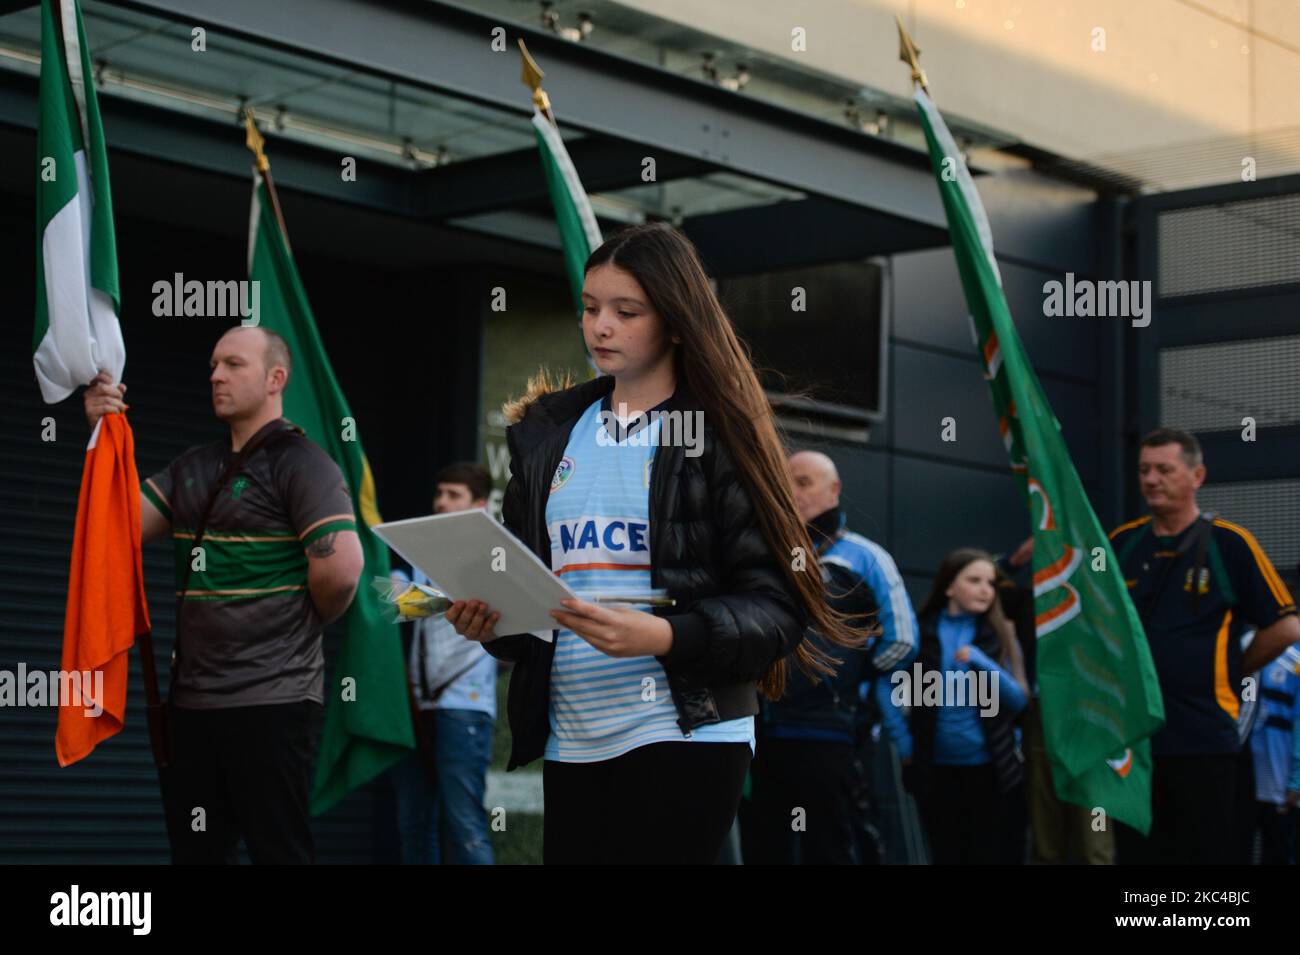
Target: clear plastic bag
<point>401,601</point>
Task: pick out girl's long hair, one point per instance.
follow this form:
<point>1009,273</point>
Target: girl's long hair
<point>935,602</point>
<point>716,366</point>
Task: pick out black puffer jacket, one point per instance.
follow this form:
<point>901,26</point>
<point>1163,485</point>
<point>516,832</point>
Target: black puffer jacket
<point>736,613</point>
<point>999,728</point>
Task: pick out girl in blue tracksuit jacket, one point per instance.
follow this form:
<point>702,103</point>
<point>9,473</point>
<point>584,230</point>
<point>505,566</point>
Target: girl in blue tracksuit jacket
<point>964,763</point>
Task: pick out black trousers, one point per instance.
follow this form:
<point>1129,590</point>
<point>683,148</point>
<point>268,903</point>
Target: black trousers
<point>814,776</point>
<point>662,803</point>
<point>965,818</point>
<point>242,771</point>
<point>1277,833</point>
<point>1193,814</point>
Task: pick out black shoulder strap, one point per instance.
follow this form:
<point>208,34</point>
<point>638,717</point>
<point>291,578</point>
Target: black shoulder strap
<point>442,687</point>
<point>264,440</point>
<point>1198,537</point>
<point>1205,529</point>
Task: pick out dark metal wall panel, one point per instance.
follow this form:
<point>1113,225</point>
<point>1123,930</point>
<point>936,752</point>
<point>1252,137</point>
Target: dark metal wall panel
<point>1236,326</point>
<point>930,309</point>
<point>918,585</point>
<point>930,386</point>
<point>1274,455</point>
<point>1075,406</point>
<point>1042,221</point>
<point>941,506</point>
<point>866,493</point>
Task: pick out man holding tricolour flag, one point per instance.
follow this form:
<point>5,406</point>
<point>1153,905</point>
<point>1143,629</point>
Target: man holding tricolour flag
<point>267,554</point>
<point>271,530</point>
<point>265,529</point>
<point>263,524</point>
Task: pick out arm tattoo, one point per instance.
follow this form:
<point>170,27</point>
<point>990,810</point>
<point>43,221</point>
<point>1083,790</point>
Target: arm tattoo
<point>322,546</point>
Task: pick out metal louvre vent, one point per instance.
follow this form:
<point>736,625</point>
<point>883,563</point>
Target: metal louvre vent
<point>1212,387</point>
<point>1232,245</point>
<point>1268,509</point>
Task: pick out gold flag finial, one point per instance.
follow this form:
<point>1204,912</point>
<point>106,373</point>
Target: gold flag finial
<point>254,141</point>
<point>532,78</point>
<point>910,54</point>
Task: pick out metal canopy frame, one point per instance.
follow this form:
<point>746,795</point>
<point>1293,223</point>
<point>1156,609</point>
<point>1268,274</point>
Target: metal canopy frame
<point>861,196</point>
<point>448,49</point>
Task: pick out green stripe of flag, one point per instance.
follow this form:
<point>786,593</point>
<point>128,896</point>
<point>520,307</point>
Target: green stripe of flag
<point>579,233</point>
<point>76,332</point>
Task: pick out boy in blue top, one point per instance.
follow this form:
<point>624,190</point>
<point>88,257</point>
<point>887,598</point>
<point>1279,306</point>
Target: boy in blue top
<point>440,810</point>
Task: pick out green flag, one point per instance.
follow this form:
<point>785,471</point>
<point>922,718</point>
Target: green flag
<point>579,233</point>
<point>367,712</point>
<point>77,333</point>
<point>1097,683</point>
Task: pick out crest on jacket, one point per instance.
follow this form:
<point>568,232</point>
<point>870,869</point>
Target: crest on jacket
<point>563,472</point>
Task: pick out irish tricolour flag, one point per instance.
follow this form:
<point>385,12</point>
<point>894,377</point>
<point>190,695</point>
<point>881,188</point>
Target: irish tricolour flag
<point>77,332</point>
<point>77,336</point>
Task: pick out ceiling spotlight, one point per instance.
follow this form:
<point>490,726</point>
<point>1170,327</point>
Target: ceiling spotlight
<point>740,80</point>
<point>550,17</point>
<point>585,24</point>
<point>708,67</point>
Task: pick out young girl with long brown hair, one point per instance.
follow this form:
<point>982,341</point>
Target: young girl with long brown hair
<point>966,769</point>
<point>645,716</point>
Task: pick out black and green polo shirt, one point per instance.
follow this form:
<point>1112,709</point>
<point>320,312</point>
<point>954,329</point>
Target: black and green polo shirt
<point>250,633</point>
<point>1194,627</point>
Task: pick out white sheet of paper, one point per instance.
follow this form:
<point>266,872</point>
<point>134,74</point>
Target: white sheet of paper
<point>456,551</point>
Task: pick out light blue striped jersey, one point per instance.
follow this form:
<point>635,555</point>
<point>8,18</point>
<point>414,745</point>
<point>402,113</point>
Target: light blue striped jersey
<point>1275,741</point>
<point>598,515</point>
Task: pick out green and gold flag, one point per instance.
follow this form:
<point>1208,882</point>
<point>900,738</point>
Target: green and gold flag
<point>367,711</point>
